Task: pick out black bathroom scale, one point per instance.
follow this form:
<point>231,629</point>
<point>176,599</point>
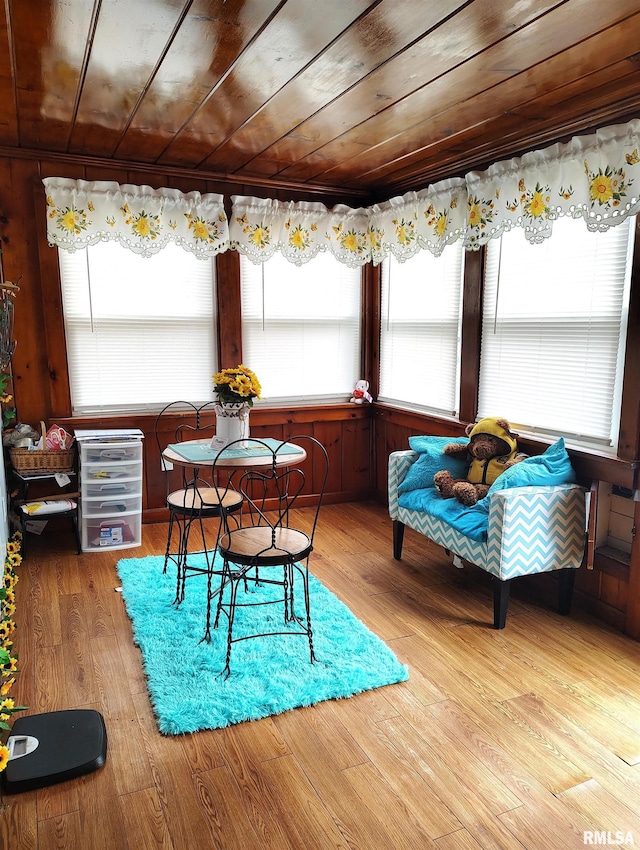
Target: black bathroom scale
<point>52,747</point>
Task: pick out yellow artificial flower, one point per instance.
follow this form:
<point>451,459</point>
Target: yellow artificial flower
<point>6,686</point>
<point>4,757</point>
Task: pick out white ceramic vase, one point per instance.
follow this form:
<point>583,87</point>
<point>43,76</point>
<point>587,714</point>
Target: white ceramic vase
<point>232,422</point>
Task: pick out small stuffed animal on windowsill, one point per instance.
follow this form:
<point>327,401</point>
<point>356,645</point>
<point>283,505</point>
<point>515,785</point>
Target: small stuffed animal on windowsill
<point>361,393</point>
<point>492,448</point>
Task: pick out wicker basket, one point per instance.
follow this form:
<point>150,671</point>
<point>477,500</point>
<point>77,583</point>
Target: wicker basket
<point>42,460</point>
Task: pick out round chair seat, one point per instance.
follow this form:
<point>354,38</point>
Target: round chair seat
<point>204,499</point>
<point>255,545</point>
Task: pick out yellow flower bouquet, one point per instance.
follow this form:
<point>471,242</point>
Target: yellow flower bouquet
<point>235,386</point>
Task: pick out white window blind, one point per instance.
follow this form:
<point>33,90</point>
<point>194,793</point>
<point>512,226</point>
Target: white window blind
<point>420,330</point>
<point>139,331</point>
<point>554,326</point>
<point>301,327</point>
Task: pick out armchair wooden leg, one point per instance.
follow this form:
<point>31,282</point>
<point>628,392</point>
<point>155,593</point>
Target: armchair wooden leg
<point>565,590</point>
<point>398,537</point>
<point>500,602</point>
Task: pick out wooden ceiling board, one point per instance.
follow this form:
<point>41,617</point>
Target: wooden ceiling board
<point>204,50</point>
<point>352,99</point>
<point>398,85</point>
<point>386,29</point>
<point>50,41</point>
<point>115,80</point>
<point>556,98</point>
<point>292,38</point>
<point>402,128</point>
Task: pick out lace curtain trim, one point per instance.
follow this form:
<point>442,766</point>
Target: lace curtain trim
<point>139,217</point>
<point>596,178</point>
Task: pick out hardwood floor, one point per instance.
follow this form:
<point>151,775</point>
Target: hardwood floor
<point>522,738</point>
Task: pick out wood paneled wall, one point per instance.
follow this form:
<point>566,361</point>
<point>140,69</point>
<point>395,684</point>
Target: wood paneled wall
<point>358,438</point>
<point>40,378</point>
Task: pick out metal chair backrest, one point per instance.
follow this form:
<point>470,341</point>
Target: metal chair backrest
<point>177,422</point>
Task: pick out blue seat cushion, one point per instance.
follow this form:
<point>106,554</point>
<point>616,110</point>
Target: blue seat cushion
<point>471,522</point>
<point>551,468</point>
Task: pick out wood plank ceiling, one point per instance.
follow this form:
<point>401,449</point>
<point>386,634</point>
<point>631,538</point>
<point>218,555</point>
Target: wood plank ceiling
<point>338,97</point>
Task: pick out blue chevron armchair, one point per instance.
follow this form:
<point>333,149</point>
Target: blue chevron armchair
<point>530,530</point>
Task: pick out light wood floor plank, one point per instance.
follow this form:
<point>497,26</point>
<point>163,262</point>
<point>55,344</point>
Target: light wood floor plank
<point>144,820</point>
<point>519,739</point>
<point>60,832</point>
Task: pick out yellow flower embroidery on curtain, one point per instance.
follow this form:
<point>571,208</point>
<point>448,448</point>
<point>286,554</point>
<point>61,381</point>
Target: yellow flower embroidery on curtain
<point>203,230</point>
<point>374,237</point>
<point>479,212</point>
<point>299,236</point>
<point>143,224</point>
<point>70,219</point>
<point>258,234</point>
<point>535,204</point>
<point>437,220</point>
<point>405,231</point>
<point>607,187</point>
<point>351,240</point>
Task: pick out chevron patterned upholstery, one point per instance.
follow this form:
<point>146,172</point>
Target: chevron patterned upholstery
<point>531,529</point>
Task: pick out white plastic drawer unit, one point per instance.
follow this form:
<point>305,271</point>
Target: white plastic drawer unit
<point>110,489</point>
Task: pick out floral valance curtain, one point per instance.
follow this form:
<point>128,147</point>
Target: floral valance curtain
<point>142,219</point>
<point>259,227</point>
<point>596,178</point>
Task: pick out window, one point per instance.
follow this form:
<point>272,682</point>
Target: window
<point>139,331</point>
<point>301,327</point>
<point>554,327</point>
<point>420,330</point>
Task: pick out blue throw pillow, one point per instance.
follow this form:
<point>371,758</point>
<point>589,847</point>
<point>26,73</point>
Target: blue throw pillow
<point>548,469</point>
<point>432,460</point>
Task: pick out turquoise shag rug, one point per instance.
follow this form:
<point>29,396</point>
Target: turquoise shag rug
<point>268,675</point>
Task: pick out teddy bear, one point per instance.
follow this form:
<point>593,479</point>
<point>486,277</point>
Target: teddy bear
<point>361,393</point>
<point>492,448</point>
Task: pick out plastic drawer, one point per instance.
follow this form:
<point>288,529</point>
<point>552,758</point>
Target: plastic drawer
<point>111,489</point>
<point>113,453</point>
<point>110,471</point>
<point>112,506</point>
<point>115,532</point>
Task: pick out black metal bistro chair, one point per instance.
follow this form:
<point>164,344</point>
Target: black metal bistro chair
<point>191,495</point>
<point>261,546</point>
